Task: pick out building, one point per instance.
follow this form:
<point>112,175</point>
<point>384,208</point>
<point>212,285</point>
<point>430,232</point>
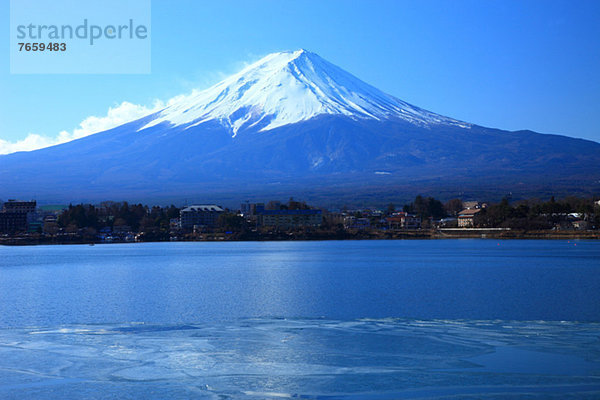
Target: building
<point>448,222</point>
<point>200,216</point>
<point>273,205</point>
<point>50,225</point>
<point>19,206</point>
<point>290,218</point>
<point>466,218</point>
<point>248,209</point>
<point>245,208</point>
<point>351,222</point>
<point>403,220</point>
<point>16,215</point>
<point>12,222</point>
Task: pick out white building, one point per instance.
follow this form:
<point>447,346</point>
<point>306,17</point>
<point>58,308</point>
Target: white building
<point>466,218</point>
<point>204,215</point>
<point>290,218</point>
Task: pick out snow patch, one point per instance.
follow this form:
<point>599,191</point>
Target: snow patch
<point>286,88</point>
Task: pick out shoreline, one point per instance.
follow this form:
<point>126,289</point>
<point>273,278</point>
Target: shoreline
<point>376,235</point>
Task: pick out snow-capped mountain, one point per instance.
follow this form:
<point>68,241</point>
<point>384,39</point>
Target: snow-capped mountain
<point>286,88</point>
<point>293,124</point>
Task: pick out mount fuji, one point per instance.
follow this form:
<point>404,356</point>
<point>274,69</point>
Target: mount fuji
<point>293,124</point>
<point>287,88</point>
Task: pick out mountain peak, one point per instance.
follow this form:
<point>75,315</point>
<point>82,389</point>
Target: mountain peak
<point>288,87</point>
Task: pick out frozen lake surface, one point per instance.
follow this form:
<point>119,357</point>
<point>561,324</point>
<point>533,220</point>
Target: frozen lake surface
<point>316,320</point>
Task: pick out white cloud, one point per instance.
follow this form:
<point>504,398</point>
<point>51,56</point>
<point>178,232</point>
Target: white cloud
<point>31,142</point>
<point>125,112</point>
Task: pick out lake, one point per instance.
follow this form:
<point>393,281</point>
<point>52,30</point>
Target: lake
<point>334,319</point>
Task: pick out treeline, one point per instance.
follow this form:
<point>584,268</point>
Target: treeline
<point>426,208</point>
<point>537,214</point>
<point>111,214</point>
<point>522,214</point>
<point>531,214</point>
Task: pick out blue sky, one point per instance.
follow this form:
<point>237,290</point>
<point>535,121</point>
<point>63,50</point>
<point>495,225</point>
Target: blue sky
<point>505,64</point>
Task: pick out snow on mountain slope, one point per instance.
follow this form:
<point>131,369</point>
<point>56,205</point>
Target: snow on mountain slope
<point>289,87</point>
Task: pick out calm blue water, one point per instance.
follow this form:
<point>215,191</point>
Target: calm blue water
<point>351,319</point>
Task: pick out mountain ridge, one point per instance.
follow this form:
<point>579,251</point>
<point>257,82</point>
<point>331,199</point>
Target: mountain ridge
<point>261,142</point>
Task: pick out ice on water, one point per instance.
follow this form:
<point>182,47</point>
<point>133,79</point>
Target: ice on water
<point>279,358</point>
